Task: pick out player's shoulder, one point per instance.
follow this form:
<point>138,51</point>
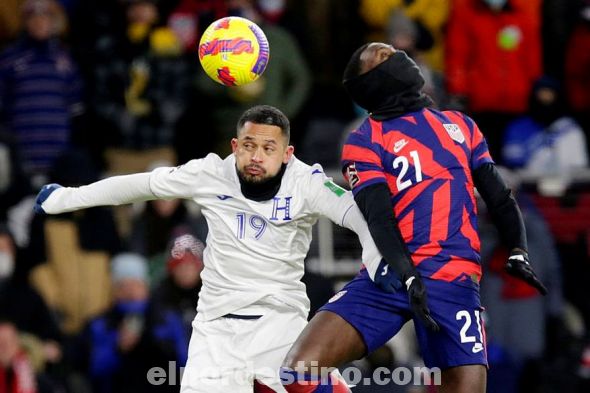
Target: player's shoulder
<point>210,162</point>
<point>298,169</point>
<point>453,114</point>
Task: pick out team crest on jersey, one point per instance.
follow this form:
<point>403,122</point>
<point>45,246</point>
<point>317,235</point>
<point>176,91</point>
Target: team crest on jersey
<point>352,175</point>
<point>454,132</point>
<point>337,296</point>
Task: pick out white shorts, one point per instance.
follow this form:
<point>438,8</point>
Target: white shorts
<point>228,355</point>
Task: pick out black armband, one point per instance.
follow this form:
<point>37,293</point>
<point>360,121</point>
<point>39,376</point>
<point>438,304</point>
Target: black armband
<point>502,206</point>
<point>375,204</point>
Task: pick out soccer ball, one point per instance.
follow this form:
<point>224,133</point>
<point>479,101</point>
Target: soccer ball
<point>233,51</point>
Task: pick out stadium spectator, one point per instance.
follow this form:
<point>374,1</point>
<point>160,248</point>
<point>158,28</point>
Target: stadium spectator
<point>546,141</point>
<point>493,92</point>
<point>179,291</point>
<point>141,86</point>
<point>10,20</point>
<point>23,304</point>
<point>16,370</point>
<point>510,303</point>
<point>412,170</point>
<point>134,335</point>
<point>429,16</point>
<point>40,89</point>
<point>577,64</point>
<point>14,184</point>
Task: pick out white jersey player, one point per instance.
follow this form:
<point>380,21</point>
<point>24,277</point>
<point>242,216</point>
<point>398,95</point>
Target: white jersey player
<point>260,204</point>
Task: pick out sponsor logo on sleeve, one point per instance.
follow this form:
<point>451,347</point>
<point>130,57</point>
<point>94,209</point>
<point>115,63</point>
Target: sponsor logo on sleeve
<point>335,188</point>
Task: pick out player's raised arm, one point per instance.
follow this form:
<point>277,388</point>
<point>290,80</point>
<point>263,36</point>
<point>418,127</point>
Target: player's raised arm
<point>117,190</point>
<point>162,183</point>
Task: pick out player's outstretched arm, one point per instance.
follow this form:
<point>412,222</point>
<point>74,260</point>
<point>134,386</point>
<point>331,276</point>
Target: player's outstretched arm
<point>375,204</point>
<point>508,219</point>
<point>117,190</point>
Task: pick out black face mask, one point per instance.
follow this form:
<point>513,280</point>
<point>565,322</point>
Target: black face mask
<point>545,114</point>
<point>391,89</point>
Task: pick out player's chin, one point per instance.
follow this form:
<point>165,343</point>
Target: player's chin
<point>254,179</point>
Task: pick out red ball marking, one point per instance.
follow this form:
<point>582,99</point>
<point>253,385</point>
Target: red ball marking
<point>226,77</point>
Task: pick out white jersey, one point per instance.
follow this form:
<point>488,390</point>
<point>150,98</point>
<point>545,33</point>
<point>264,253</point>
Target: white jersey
<point>255,250</point>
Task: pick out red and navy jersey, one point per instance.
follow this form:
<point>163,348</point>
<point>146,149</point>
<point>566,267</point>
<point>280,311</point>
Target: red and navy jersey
<point>426,158</point>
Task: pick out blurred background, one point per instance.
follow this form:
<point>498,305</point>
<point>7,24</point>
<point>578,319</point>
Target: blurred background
<point>90,300</point>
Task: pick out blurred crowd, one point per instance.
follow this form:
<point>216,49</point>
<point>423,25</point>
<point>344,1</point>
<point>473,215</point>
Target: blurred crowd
<point>90,300</point>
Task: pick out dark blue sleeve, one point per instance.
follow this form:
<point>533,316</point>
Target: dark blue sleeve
<point>173,331</point>
<point>104,357</point>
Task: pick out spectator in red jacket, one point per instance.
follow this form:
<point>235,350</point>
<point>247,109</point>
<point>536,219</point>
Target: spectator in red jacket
<point>493,55</point>
<point>577,66</point>
<point>16,371</point>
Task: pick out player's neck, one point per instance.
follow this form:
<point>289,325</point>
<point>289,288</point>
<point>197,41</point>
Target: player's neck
<point>264,191</point>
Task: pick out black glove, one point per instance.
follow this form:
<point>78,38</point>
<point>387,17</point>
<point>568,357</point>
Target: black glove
<point>387,279</point>
<point>518,266</point>
<point>418,300</point>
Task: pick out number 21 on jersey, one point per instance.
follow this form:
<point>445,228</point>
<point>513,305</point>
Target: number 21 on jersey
<point>403,162</point>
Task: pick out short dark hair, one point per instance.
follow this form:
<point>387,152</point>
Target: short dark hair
<point>266,114</point>
<point>353,68</point>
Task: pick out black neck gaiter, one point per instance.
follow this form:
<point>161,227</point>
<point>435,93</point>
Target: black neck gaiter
<point>263,191</point>
<point>391,89</point>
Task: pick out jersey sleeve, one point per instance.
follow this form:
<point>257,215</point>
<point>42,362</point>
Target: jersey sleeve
<point>334,202</point>
<point>480,153</point>
<point>361,159</point>
<point>328,199</point>
<point>177,182</point>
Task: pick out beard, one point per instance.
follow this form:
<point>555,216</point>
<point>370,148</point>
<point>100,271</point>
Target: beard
<point>259,178</point>
<point>259,186</point>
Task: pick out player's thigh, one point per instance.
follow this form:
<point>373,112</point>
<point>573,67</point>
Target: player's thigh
<point>326,341</point>
<point>357,320</point>
<point>214,364</point>
<point>270,341</point>
<point>464,379</point>
<point>461,339</point>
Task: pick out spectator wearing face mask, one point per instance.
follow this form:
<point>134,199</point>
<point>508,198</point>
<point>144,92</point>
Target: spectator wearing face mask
<point>134,335</point>
<point>546,140</point>
<point>25,309</point>
<point>23,304</point>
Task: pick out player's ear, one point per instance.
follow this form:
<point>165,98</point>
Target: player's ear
<point>234,144</point>
<point>288,154</point>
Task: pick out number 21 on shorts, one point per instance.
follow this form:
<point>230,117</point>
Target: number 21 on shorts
<point>464,333</point>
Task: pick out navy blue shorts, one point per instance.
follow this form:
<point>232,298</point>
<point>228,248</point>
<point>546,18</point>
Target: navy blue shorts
<point>378,316</point>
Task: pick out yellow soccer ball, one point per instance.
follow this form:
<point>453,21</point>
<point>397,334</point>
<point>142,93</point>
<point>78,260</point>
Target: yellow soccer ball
<point>233,51</point>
